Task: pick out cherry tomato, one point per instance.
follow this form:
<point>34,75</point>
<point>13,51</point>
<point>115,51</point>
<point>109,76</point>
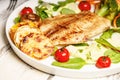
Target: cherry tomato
<point>26,10</point>
<point>62,55</point>
<point>103,62</point>
<point>84,6</point>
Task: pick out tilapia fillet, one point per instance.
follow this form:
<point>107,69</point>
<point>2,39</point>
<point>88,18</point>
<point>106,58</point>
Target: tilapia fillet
<point>73,29</point>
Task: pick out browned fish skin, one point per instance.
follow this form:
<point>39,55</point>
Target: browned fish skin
<point>74,28</point>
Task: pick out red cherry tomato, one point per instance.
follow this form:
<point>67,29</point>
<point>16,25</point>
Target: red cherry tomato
<point>62,55</point>
<point>103,62</point>
<point>26,10</point>
<point>84,6</point>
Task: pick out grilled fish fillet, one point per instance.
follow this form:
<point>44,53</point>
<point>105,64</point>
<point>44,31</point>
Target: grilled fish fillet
<point>33,43</point>
<point>73,29</point>
<point>51,25</point>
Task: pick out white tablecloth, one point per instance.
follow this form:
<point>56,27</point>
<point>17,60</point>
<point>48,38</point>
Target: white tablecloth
<point>13,68</point>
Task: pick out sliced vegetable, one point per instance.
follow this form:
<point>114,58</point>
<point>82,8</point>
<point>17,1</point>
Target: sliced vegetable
<point>30,17</point>
<point>103,62</point>
<point>73,63</point>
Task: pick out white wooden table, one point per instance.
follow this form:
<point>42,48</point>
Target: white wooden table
<point>13,68</point>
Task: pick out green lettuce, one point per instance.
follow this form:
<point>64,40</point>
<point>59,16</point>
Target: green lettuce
<point>73,63</point>
<point>114,55</point>
<point>107,34</point>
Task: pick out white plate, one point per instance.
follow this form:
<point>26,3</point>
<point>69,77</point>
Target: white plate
<point>88,71</point>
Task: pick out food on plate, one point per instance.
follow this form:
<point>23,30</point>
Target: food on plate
<point>32,42</point>
<point>72,63</point>
<point>109,9</point>
<point>116,21</point>
<point>46,10</point>
<point>76,29</point>
<point>27,15</point>
<point>103,62</point>
<point>48,26</point>
<point>84,5</point>
<point>62,55</point>
<point>30,16</point>
<point>73,36</point>
<point>26,10</point>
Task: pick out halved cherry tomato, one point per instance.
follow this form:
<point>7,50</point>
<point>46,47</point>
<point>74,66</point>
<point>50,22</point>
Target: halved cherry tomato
<point>62,55</point>
<point>26,10</point>
<point>84,6</point>
<point>103,62</point>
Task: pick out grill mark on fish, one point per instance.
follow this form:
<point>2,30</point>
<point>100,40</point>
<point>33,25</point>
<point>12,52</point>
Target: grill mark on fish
<point>52,23</point>
<point>90,27</point>
<point>81,27</point>
<point>58,27</point>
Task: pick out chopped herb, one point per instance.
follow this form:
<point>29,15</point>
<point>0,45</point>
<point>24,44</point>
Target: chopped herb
<point>81,44</point>
<point>80,50</point>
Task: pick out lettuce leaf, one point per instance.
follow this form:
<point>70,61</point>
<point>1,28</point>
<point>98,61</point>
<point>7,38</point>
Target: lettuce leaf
<point>73,63</point>
<point>67,11</point>
<point>114,55</point>
<point>106,44</point>
<point>107,34</point>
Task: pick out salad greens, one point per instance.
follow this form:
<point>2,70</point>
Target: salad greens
<point>67,11</point>
<point>112,51</point>
<point>45,10</point>
<point>107,34</point>
<point>118,22</point>
<point>41,12</point>
<point>109,9</point>
<point>114,55</point>
<point>73,63</point>
<point>106,44</point>
<point>103,38</point>
<point>100,47</point>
